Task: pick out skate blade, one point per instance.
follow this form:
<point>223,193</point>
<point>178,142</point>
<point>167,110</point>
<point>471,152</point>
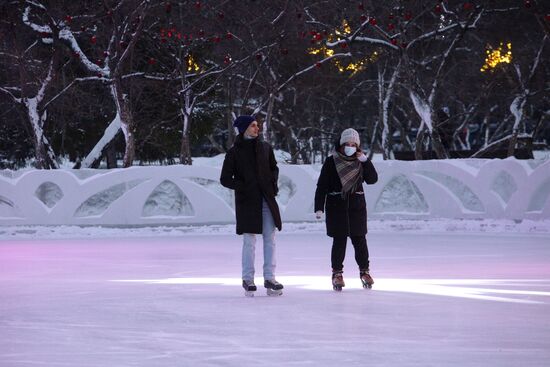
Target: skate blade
<point>249,293</point>
<point>274,293</point>
<point>367,286</point>
<point>337,288</point>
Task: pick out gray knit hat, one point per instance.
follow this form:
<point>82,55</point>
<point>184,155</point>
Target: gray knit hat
<point>349,136</point>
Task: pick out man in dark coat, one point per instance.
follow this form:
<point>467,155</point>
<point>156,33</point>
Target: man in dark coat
<point>251,170</point>
<point>340,195</point>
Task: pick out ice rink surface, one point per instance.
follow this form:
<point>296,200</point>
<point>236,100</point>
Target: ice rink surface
<point>440,299</point>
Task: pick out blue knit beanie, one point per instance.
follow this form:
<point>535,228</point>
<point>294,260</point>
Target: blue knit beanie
<point>242,122</point>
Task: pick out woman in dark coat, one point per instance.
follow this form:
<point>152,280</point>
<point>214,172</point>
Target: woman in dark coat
<point>251,170</point>
<point>340,195</point>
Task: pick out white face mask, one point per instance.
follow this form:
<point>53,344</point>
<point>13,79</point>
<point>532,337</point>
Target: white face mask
<point>349,151</point>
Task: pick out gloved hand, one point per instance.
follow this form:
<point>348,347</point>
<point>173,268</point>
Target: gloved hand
<point>362,157</point>
<point>318,214</point>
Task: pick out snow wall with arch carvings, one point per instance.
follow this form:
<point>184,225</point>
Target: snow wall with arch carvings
<point>167,195</point>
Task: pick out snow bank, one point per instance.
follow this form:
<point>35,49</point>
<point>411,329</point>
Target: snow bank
<point>172,195</point>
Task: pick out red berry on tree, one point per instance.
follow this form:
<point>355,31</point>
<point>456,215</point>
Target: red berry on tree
<point>168,7</point>
<point>361,7</point>
<point>201,32</point>
<point>404,44</point>
<point>227,59</point>
<point>198,5</point>
<point>467,6</point>
<point>438,8</point>
<point>284,51</point>
<point>151,61</point>
<point>259,56</point>
<point>318,65</point>
<point>93,39</point>
<point>68,18</point>
<point>229,36</point>
<point>408,16</point>
<point>363,18</point>
<point>105,53</point>
<point>344,45</point>
<point>393,42</point>
<point>372,21</point>
<point>83,29</point>
<point>318,37</point>
<point>391,26</point>
<point>220,15</point>
<point>527,3</point>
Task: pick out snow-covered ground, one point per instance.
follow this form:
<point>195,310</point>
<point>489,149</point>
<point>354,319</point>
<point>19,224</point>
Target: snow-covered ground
<point>463,294</point>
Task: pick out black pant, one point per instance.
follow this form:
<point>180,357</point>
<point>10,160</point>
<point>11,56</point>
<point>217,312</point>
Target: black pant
<point>339,252</point>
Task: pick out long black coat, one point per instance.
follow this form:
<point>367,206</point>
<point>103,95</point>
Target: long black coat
<point>344,216</point>
<point>251,170</point>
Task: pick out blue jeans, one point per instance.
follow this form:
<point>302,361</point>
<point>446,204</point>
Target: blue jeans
<point>249,247</point>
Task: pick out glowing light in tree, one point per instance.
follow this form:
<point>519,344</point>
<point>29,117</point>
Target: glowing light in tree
<point>498,56</point>
<point>342,67</point>
<point>192,64</point>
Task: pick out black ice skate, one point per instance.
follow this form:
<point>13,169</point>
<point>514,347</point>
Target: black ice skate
<point>249,288</point>
<point>366,279</point>
<point>274,288</point>
<point>338,281</point>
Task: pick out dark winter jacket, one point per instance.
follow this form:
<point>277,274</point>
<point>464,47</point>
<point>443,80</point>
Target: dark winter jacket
<point>251,170</point>
<point>344,216</point>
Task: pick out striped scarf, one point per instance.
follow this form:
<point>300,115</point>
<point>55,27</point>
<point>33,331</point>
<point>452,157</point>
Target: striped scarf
<point>350,171</point>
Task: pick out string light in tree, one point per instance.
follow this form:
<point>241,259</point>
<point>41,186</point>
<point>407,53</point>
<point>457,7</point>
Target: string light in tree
<point>192,64</point>
<point>339,35</point>
<point>498,56</point>
<point>227,59</point>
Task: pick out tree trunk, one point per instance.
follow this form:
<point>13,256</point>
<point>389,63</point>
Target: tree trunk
<point>419,145</point>
<point>127,123</point>
<point>229,114</point>
<point>267,122</point>
<point>185,150</point>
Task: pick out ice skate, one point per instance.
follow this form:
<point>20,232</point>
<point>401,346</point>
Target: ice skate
<point>338,281</point>
<point>273,287</point>
<point>366,279</point>
<point>249,288</point>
